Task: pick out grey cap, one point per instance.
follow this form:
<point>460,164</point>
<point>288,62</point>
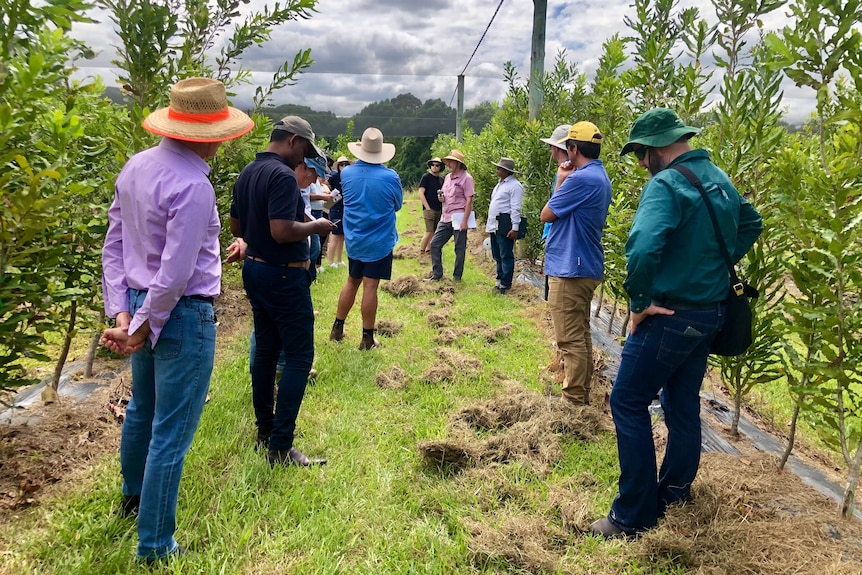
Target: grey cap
<point>297,126</point>
<point>560,132</point>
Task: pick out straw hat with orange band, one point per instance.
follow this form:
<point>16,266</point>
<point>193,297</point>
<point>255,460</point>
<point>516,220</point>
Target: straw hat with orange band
<point>198,112</point>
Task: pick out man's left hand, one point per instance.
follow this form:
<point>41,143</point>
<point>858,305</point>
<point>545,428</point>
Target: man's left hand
<point>512,235</point>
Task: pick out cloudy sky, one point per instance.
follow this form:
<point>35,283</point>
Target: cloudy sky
<point>370,50</point>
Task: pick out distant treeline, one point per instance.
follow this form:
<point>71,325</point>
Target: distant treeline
<point>402,116</point>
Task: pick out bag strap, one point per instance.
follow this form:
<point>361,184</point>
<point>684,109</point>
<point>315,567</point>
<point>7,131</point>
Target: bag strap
<point>738,286</point>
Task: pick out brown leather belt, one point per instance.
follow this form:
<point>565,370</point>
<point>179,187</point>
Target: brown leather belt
<point>303,264</point>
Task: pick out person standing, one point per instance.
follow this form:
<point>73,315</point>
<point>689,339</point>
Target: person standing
<point>458,189</point>
<point>335,250</point>
<point>429,188</point>
<point>161,270</point>
<point>677,281</point>
<point>504,220</point>
<point>560,156</point>
<point>574,260</point>
<point>269,213</point>
<point>372,195</point>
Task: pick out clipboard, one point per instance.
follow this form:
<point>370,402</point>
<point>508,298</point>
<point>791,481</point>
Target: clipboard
<point>458,217</point>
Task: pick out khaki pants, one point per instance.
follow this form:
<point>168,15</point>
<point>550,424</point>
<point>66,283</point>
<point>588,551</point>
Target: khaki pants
<point>569,301</point>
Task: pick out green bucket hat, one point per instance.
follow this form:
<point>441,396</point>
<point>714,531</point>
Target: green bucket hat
<point>657,128</point>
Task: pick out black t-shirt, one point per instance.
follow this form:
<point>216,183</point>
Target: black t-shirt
<point>432,183</point>
<point>265,190</point>
<point>335,183</point>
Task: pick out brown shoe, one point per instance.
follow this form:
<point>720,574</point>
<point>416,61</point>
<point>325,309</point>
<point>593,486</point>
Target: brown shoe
<point>292,456</point>
<point>368,342</point>
<point>337,333</point>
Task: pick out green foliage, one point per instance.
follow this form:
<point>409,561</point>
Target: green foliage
<point>51,217</point>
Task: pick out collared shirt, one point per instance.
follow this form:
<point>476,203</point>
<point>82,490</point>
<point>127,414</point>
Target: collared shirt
<point>456,190</point>
<point>574,246</point>
<point>372,194</point>
<point>507,197</point>
<point>672,251</point>
<point>162,235</point>
<point>266,190</point>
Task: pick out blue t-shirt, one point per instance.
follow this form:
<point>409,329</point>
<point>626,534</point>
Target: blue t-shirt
<point>372,194</point>
<point>574,246</point>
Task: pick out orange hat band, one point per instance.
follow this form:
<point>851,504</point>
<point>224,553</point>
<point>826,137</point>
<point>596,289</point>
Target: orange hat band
<point>206,118</point>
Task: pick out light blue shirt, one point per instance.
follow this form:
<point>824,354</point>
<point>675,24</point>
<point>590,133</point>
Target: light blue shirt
<point>574,248</point>
<point>372,195</point>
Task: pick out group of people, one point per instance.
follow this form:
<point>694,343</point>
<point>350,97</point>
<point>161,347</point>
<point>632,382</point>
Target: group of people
<point>162,271</point>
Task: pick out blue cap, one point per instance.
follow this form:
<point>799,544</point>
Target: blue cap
<point>318,165</point>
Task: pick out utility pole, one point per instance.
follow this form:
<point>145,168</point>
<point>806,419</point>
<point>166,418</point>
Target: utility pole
<point>537,57</point>
<point>459,111</point>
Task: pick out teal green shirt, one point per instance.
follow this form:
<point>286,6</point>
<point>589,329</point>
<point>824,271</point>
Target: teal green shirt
<point>672,252</point>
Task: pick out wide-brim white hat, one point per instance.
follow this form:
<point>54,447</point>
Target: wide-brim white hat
<point>198,112</point>
<point>372,148</point>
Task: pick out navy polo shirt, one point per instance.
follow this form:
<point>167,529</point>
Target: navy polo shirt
<point>266,190</point>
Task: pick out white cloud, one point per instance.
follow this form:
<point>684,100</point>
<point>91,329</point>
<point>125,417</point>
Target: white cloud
<point>369,50</point>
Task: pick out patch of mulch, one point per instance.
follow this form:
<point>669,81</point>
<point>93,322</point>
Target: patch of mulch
<point>406,251</point>
<point>403,286</point>
<point>389,328</point>
<point>395,378</point>
<point>438,318</point>
<point>438,373</point>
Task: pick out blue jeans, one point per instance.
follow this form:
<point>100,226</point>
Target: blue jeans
<point>503,251</point>
<point>667,353</point>
<point>314,255</point>
<point>441,236</point>
<point>169,389</point>
<point>283,323</point>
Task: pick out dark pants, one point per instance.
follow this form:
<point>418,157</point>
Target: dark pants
<point>283,323</point>
<point>667,353</point>
<point>503,251</point>
<point>441,236</point>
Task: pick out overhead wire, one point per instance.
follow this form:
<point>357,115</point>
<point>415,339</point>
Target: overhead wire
<point>476,49</point>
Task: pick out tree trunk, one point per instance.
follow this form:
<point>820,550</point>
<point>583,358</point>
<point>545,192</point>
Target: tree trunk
<point>625,326</point>
<point>848,503</point>
<point>790,440</point>
<point>737,408</point>
<point>67,343</point>
<point>601,299</point>
<point>613,315</point>
<point>94,345</point>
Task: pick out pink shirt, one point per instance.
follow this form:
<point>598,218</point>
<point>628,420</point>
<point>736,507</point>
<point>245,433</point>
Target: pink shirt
<point>163,231</point>
<point>456,190</point>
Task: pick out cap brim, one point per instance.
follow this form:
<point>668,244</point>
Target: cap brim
<point>552,142</point>
<point>315,152</point>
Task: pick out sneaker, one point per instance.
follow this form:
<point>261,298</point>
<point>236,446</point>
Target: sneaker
<point>175,554</point>
<point>321,269</point>
<point>608,530</point>
<point>262,441</point>
<point>291,456</point>
<point>433,279</point>
<point>334,265</point>
<point>312,373</point>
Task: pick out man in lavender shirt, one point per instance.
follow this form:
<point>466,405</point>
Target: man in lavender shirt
<point>160,273</point>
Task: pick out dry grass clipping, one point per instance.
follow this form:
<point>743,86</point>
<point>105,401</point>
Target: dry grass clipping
<point>438,373</point>
<point>438,318</point>
<point>389,328</point>
<point>406,251</point>
<point>527,542</point>
<point>459,361</point>
<point>748,518</point>
<point>395,378</point>
<point>403,286</point>
<point>443,300</point>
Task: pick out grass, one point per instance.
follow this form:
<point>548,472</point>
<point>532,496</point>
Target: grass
<point>377,507</point>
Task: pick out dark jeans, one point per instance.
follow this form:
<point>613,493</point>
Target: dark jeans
<point>283,323</point>
<point>667,353</point>
<point>314,255</point>
<point>441,236</point>
<point>503,251</point>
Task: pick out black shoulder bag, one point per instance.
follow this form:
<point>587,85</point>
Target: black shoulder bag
<point>735,337</point>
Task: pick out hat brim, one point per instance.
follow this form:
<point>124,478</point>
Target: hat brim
<point>553,142</point>
<point>235,125</point>
<point>456,160</point>
<point>381,157</point>
<point>510,170</point>
<point>315,151</point>
<point>660,140</point>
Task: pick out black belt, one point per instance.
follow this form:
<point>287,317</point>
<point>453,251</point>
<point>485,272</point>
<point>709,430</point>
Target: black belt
<point>684,305</point>
<point>203,298</point>
<point>302,264</point>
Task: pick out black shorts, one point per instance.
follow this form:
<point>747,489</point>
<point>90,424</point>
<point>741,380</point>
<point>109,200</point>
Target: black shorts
<point>379,270</point>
